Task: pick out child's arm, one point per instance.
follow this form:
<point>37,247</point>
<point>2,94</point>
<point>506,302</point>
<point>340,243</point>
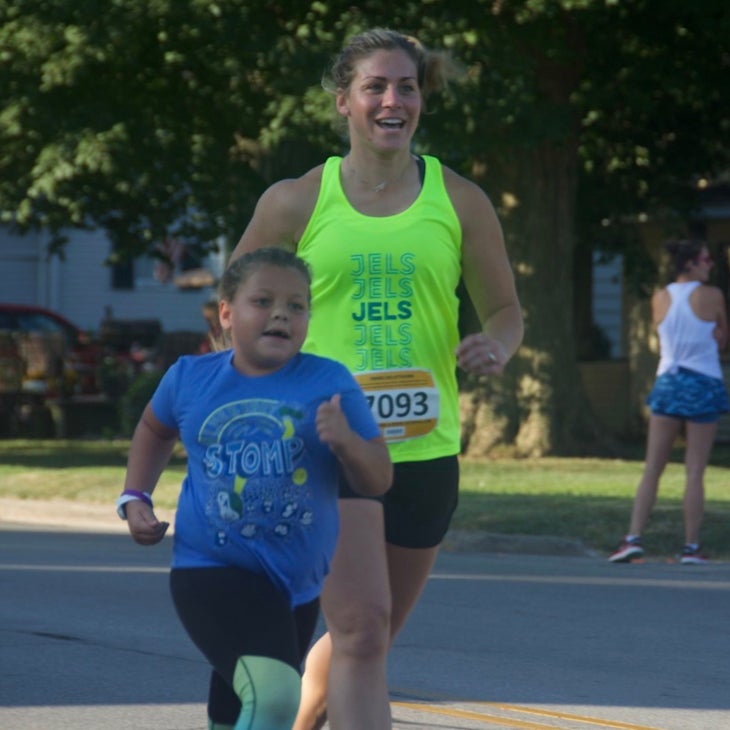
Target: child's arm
<point>152,445</point>
<point>366,464</point>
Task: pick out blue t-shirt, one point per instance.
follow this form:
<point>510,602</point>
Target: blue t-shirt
<point>261,488</point>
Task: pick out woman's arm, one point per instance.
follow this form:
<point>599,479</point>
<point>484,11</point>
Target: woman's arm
<point>281,214</point>
<point>721,328</point>
<point>489,280</point>
<point>660,303</point>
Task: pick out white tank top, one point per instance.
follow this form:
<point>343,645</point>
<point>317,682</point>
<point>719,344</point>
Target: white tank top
<point>685,339</point>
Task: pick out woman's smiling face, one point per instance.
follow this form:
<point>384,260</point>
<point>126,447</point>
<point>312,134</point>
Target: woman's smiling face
<point>383,102</point>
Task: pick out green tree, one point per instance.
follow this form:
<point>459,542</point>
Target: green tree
<point>161,117</point>
<point>599,111</point>
<point>145,118</point>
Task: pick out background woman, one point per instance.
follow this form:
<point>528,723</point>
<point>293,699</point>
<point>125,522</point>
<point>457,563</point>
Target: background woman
<point>691,319</point>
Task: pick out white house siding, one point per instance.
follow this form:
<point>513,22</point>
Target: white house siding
<point>19,275</point>
<point>79,286</point>
<point>608,300</point>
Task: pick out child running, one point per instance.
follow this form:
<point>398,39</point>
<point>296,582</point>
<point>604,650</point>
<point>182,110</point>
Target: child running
<point>268,431</point>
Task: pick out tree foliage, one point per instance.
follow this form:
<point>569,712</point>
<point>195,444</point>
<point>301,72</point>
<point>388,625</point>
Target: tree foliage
<point>151,118</point>
<point>146,119</point>
<point>141,117</point>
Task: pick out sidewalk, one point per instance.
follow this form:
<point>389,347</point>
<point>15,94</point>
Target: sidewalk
<point>94,517</point>
<point>67,514</point>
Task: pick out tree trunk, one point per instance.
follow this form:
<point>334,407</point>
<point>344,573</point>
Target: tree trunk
<point>538,407</point>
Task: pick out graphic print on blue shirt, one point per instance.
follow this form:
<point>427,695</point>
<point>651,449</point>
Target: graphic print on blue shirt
<point>254,466</point>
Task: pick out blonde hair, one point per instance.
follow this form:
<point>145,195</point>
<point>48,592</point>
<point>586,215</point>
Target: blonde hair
<point>434,69</point>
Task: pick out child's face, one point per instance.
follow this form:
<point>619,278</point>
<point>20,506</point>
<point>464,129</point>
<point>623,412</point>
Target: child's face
<point>267,319</point>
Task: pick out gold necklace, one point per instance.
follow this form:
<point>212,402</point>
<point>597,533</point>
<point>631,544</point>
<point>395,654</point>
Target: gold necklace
<point>381,185</point>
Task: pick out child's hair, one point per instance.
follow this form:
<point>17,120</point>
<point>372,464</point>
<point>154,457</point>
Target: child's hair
<point>241,268</point>
<point>434,68</point>
<point>213,336</point>
<point>210,307</point>
<point>683,252</point>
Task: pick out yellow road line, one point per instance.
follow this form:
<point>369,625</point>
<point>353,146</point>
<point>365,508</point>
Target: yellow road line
<point>574,718</point>
<point>493,719</point>
<point>512,722</point>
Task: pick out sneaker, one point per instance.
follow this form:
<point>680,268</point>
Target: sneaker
<point>627,551</point>
<point>692,556</point>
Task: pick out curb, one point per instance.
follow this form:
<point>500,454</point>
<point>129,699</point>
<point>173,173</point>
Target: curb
<point>490,542</point>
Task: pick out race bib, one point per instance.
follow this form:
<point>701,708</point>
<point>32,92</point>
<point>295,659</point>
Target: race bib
<point>405,403</point>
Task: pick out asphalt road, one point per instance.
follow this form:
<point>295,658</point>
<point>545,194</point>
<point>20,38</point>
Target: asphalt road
<point>89,639</point>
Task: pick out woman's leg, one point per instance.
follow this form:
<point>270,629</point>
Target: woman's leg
<point>418,513</point>
<point>700,437</point>
<point>409,569</point>
<point>312,713</point>
<point>356,600</point>
<point>663,431</point>
<point>345,671</point>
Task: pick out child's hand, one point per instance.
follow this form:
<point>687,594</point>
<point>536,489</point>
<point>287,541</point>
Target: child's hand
<point>332,426</point>
<point>144,527</point>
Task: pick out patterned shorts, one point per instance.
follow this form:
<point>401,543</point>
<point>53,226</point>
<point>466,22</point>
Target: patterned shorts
<point>689,395</point>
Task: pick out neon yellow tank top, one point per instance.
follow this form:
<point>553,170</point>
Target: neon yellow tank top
<point>384,303</point>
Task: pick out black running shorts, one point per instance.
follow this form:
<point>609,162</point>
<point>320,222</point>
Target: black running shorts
<point>420,503</point>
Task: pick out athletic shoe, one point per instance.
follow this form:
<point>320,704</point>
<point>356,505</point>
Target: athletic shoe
<point>692,556</point>
<point>627,551</point>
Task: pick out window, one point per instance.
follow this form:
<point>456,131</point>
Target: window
<point>122,275</point>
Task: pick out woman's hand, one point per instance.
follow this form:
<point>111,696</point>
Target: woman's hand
<point>480,354</point>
